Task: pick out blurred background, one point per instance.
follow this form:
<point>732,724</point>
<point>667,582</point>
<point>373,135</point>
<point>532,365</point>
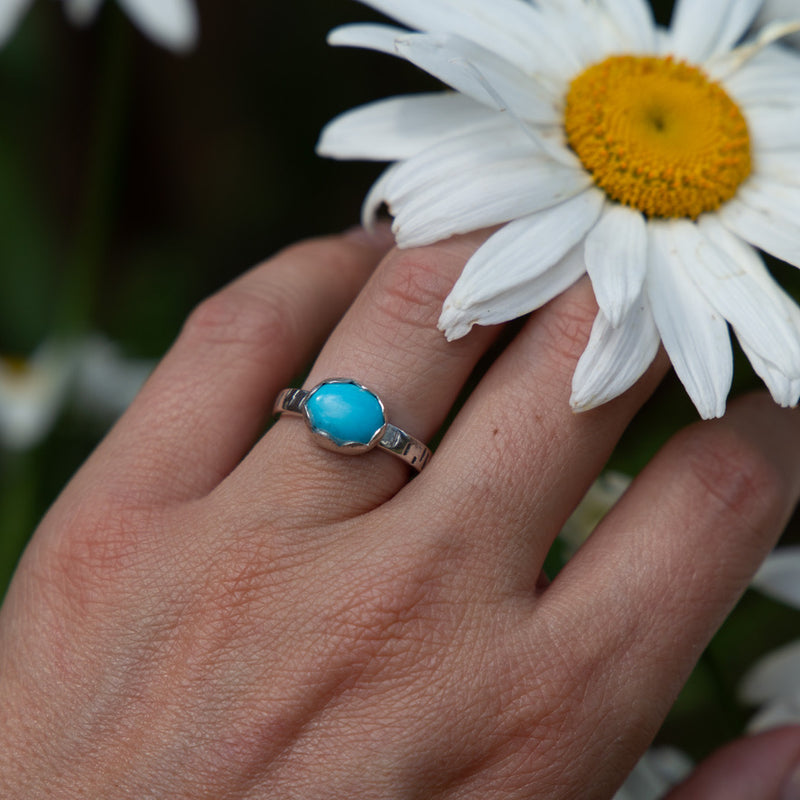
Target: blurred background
<point>134,182</point>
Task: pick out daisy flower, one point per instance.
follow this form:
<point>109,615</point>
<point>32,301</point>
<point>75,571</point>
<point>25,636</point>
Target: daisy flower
<point>655,160</point>
<point>91,375</point>
<point>170,23</point>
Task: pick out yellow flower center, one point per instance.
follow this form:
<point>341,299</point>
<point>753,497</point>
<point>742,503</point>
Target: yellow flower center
<point>16,366</point>
<point>658,135</point>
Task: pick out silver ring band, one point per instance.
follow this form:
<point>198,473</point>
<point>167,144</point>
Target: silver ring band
<point>347,417</point>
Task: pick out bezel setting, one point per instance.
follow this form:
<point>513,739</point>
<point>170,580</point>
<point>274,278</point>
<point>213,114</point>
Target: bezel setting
<point>325,439</point>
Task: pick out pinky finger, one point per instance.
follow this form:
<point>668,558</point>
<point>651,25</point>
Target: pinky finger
<point>668,563</point>
<point>763,767</point>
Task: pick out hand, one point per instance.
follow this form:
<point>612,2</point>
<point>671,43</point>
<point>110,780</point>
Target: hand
<point>209,614</point>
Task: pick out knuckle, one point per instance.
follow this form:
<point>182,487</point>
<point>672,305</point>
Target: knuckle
<point>99,549</point>
<point>393,616</point>
<point>412,288</point>
<point>567,325</point>
<point>335,251</point>
<point>736,475</point>
<point>235,317</point>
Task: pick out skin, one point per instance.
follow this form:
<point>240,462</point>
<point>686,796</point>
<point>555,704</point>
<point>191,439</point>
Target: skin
<point>207,612</point>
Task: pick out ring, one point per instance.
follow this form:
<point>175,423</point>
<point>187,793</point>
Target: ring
<point>346,417</point>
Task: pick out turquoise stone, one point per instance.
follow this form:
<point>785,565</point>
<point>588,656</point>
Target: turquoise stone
<point>345,412</point>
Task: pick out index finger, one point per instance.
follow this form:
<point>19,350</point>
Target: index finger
<point>210,397</point>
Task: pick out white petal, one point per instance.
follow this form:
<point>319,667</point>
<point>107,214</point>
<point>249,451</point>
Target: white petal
<point>769,232</point>
<point>510,28</point>
<point>725,64</point>
<point>779,714</point>
<point>634,20</point>
<point>489,196</point>
<point>106,381</point>
<point>11,12</point>
<point>616,260</point>
<point>516,302</point>
<point>581,29</point>
<point>658,770</point>
<point>775,676</point>
<point>772,198</point>
<point>773,367</point>
<point>376,197</point>
<point>779,10</point>
<point>738,286</point>
<point>781,166</point>
<point>615,357</point>
<point>81,12</point>
<point>774,128</point>
<point>30,402</point>
<point>750,260</point>
<point>663,41</point>
<point>368,35</point>
<point>401,127</point>
<point>785,391</point>
<point>474,181</point>
<point>460,154</point>
<point>480,74</point>
<point>768,79</point>
<point>779,577</point>
<point>525,248</point>
<point>695,336</point>
<point>702,30</point>
<point>170,23</point>
<point>444,14</point>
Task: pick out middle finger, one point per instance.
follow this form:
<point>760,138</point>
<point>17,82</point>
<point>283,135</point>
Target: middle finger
<point>517,459</point>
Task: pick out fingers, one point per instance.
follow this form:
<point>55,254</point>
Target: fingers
<point>389,342</point>
<point>517,459</point>
<point>211,396</point>
<point>763,767</point>
<point>647,591</point>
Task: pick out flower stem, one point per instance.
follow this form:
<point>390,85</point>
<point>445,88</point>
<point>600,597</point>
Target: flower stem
<point>18,499</point>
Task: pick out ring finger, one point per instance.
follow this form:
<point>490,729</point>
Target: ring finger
<point>389,342</point>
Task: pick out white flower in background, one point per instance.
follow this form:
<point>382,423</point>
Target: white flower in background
<point>773,683</point>
<point>779,576</point>
<point>657,771</point>
<point>11,12</point>
<point>91,375</point>
<point>655,160</point>
<point>773,10</point>
<point>170,23</point>
<point>106,381</point>
<point>773,686</point>
<point>33,392</point>
<point>597,502</point>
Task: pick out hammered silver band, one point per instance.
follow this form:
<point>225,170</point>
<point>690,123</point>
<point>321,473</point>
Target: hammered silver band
<point>388,437</point>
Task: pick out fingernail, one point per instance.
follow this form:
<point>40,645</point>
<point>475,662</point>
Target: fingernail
<point>791,787</point>
<point>379,235</point>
